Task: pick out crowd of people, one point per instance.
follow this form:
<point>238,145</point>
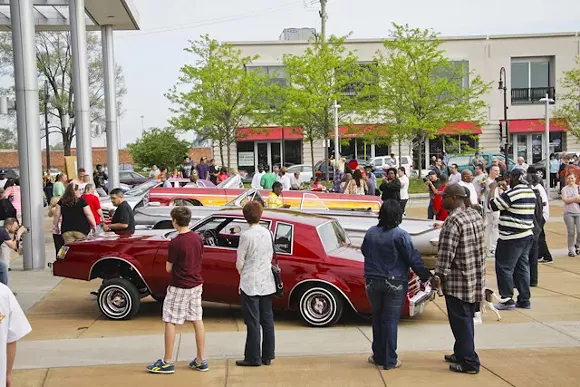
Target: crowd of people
<point>204,170</point>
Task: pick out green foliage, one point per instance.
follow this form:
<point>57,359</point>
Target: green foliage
<point>7,139</point>
<point>419,90</point>
<point>220,94</point>
<point>459,144</point>
<point>160,147</point>
<point>320,76</point>
<point>570,111</point>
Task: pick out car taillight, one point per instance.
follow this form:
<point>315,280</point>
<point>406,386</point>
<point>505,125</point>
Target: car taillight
<point>62,252</point>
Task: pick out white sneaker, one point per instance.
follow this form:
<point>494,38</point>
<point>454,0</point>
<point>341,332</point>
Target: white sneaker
<point>477,320</point>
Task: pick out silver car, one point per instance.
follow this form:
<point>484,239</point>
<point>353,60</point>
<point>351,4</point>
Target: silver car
<point>423,232</point>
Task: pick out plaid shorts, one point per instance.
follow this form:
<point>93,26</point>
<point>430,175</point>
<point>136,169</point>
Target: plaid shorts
<point>182,305</point>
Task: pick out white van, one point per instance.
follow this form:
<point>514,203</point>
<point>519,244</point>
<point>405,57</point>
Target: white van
<point>382,162</point>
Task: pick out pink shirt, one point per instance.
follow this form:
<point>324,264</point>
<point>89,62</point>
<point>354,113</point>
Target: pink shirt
<point>15,192</point>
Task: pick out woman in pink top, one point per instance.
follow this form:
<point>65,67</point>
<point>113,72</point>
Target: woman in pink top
<point>571,198</point>
<point>13,193</point>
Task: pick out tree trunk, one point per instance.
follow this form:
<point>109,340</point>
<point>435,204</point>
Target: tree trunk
<point>326,159</point>
<point>221,146</point>
<point>66,142</point>
<point>312,157</point>
<point>229,152</point>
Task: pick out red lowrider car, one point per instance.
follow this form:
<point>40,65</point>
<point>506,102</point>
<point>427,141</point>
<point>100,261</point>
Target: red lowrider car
<point>322,273</point>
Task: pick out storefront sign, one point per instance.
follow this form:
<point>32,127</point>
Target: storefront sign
<point>245,159</point>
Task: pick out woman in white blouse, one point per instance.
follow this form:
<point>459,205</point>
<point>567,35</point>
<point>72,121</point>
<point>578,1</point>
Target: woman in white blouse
<point>257,287</point>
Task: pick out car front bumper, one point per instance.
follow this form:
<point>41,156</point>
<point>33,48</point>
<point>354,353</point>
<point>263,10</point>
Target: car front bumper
<point>418,301</point>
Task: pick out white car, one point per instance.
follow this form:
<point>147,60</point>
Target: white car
<point>382,162</point>
<point>305,172</point>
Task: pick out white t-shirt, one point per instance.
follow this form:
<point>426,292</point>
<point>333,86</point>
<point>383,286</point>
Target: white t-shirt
<point>256,180</point>
<point>454,178</point>
<point>404,187</point>
<point>544,195</point>
<point>472,192</point>
<point>285,180</point>
<point>13,326</point>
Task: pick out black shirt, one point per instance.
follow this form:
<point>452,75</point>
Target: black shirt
<point>124,215</point>
<point>213,174</point>
<point>74,218</point>
<point>99,179</point>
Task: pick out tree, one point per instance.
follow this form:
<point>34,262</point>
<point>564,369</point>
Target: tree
<point>325,73</point>
<point>159,147</point>
<point>418,90</point>
<point>54,61</point>
<point>7,138</point>
<point>222,95</point>
<point>570,111</point>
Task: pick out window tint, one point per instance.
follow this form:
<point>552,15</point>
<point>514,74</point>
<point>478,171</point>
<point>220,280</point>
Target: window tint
<point>378,162</point>
<point>332,236</point>
<point>462,160</point>
<point>405,160</point>
<point>307,168</point>
<point>125,175</point>
<point>284,238</point>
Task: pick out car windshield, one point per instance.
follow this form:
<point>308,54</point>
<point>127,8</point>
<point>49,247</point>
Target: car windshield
<point>332,236</point>
<point>246,197</point>
<point>142,189</point>
<point>234,181</point>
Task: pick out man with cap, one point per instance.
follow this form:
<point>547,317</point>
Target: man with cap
<point>432,183</point>
<point>3,178</point>
<point>516,223</point>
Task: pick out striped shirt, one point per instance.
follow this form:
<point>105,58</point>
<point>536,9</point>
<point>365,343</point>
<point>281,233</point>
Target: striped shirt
<point>517,207</point>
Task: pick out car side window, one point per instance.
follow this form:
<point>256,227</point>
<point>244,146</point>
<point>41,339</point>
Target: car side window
<point>378,162</point>
<point>284,238</point>
<point>307,168</point>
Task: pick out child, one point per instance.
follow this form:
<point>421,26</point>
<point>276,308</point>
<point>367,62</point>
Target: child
<point>56,237</point>
<point>183,299</point>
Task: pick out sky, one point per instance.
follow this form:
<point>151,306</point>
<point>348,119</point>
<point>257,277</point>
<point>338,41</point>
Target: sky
<point>151,58</point>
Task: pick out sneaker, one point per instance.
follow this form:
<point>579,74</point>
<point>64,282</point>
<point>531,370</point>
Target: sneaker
<point>509,304</point>
<point>477,319</point>
<point>201,366</point>
<point>545,261</point>
<point>398,365</point>
<point>161,367</point>
<point>523,306</point>
<point>571,254</point>
<point>371,360</point>
<point>462,369</point>
<point>450,358</point>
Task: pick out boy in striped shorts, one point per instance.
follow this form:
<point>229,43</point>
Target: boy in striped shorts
<point>183,299</point>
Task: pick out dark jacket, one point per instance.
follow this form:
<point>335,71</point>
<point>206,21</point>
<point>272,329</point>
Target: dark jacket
<point>391,189</point>
<point>389,254</point>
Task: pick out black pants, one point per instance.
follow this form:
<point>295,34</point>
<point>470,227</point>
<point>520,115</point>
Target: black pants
<point>461,322</point>
<point>257,311</point>
<point>403,203</point>
<point>543,252</point>
<point>553,179</point>
<point>533,263</point>
<point>58,242</point>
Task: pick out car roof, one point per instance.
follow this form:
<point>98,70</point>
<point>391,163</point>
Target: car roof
<point>287,216</point>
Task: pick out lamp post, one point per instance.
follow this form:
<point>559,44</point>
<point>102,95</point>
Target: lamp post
<point>336,139</point>
<point>47,142</point>
<point>548,101</point>
<point>503,86</point>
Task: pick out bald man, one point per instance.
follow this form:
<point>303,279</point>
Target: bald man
<point>467,182</point>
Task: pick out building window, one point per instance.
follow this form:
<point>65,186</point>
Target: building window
<point>246,156</point>
<point>278,73</point>
<point>531,79</point>
<point>292,152</point>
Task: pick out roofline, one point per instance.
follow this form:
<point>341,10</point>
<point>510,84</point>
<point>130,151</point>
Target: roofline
<point>443,38</point>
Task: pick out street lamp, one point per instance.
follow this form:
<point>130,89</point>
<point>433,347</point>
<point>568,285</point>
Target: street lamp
<point>503,86</point>
<point>336,139</point>
<point>547,101</point>
<point>46,139</point>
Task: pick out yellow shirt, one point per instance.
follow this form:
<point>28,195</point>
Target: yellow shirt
<point>274,201</point>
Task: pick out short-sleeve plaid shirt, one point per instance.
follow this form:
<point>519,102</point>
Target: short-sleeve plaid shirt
<point>461,258</point>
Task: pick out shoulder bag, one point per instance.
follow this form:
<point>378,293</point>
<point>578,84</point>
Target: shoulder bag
<point>277,272</point>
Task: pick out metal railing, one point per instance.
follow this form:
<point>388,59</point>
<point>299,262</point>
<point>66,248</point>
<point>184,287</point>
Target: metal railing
<point>531,95</point>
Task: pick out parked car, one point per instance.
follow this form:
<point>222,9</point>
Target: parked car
<point>132,178</point>
<point>381,162</point>
<point>424,234</point>
<point>305,172</point>
<point>322,273</point>
<point>464,161</point>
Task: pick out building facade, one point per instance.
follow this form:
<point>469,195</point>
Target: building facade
<point>534,65</point>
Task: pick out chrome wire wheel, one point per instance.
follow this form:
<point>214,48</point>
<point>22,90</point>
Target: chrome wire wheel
<point>320,307</point>
<point>118,299</point>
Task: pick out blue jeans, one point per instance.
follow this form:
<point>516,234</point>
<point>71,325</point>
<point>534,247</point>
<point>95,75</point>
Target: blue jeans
<point>4,273</point>
<point>512,265</point>
<point>461,321</point>
<point>386,298</point>
<point>257,311</point>
<point>430,210</point>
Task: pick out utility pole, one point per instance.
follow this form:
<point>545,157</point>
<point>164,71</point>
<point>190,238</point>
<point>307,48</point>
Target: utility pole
<point>323,19</point>
<point>46,139</point>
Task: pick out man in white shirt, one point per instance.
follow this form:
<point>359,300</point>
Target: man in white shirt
<point>466,181</point>
<point>13,327</point>
<point>521,164</point>
<point>455,176</point>
<point>492,191</point>
<point>404,192</point>
<point>3,179</point>
<point>340,163</point>
<point>258,177</point>
<point>479,182</point>
<point>295,182</point>
<point>284,179</point>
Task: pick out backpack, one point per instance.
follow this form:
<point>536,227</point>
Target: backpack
<point>7,210</point>
<point>538,214</point>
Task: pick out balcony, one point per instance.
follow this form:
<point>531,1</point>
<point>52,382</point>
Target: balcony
<point>532,95</point>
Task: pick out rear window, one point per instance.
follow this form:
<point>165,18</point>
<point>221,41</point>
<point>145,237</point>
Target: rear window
<point>378,162</point>
<point>462,160</point>
<point>332,236</point>
<point>405,160</point>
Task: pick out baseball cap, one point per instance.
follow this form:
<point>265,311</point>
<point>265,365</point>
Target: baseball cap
<point>2,172</point>
<point>431,173</point>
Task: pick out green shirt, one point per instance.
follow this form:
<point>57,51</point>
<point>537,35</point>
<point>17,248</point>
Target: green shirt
<point>58,189</point>
<point>268,180</point>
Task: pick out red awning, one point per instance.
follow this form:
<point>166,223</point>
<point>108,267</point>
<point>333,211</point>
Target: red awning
<point>536,126</point>
<point>273,133</point>
<point>459,128</point>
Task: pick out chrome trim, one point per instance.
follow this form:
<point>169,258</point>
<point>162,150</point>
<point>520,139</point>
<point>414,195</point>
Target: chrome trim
<point>323,281</point>
<point>124,260</point>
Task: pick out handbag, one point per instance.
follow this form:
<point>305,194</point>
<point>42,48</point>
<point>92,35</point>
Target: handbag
<point>277,272</point>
